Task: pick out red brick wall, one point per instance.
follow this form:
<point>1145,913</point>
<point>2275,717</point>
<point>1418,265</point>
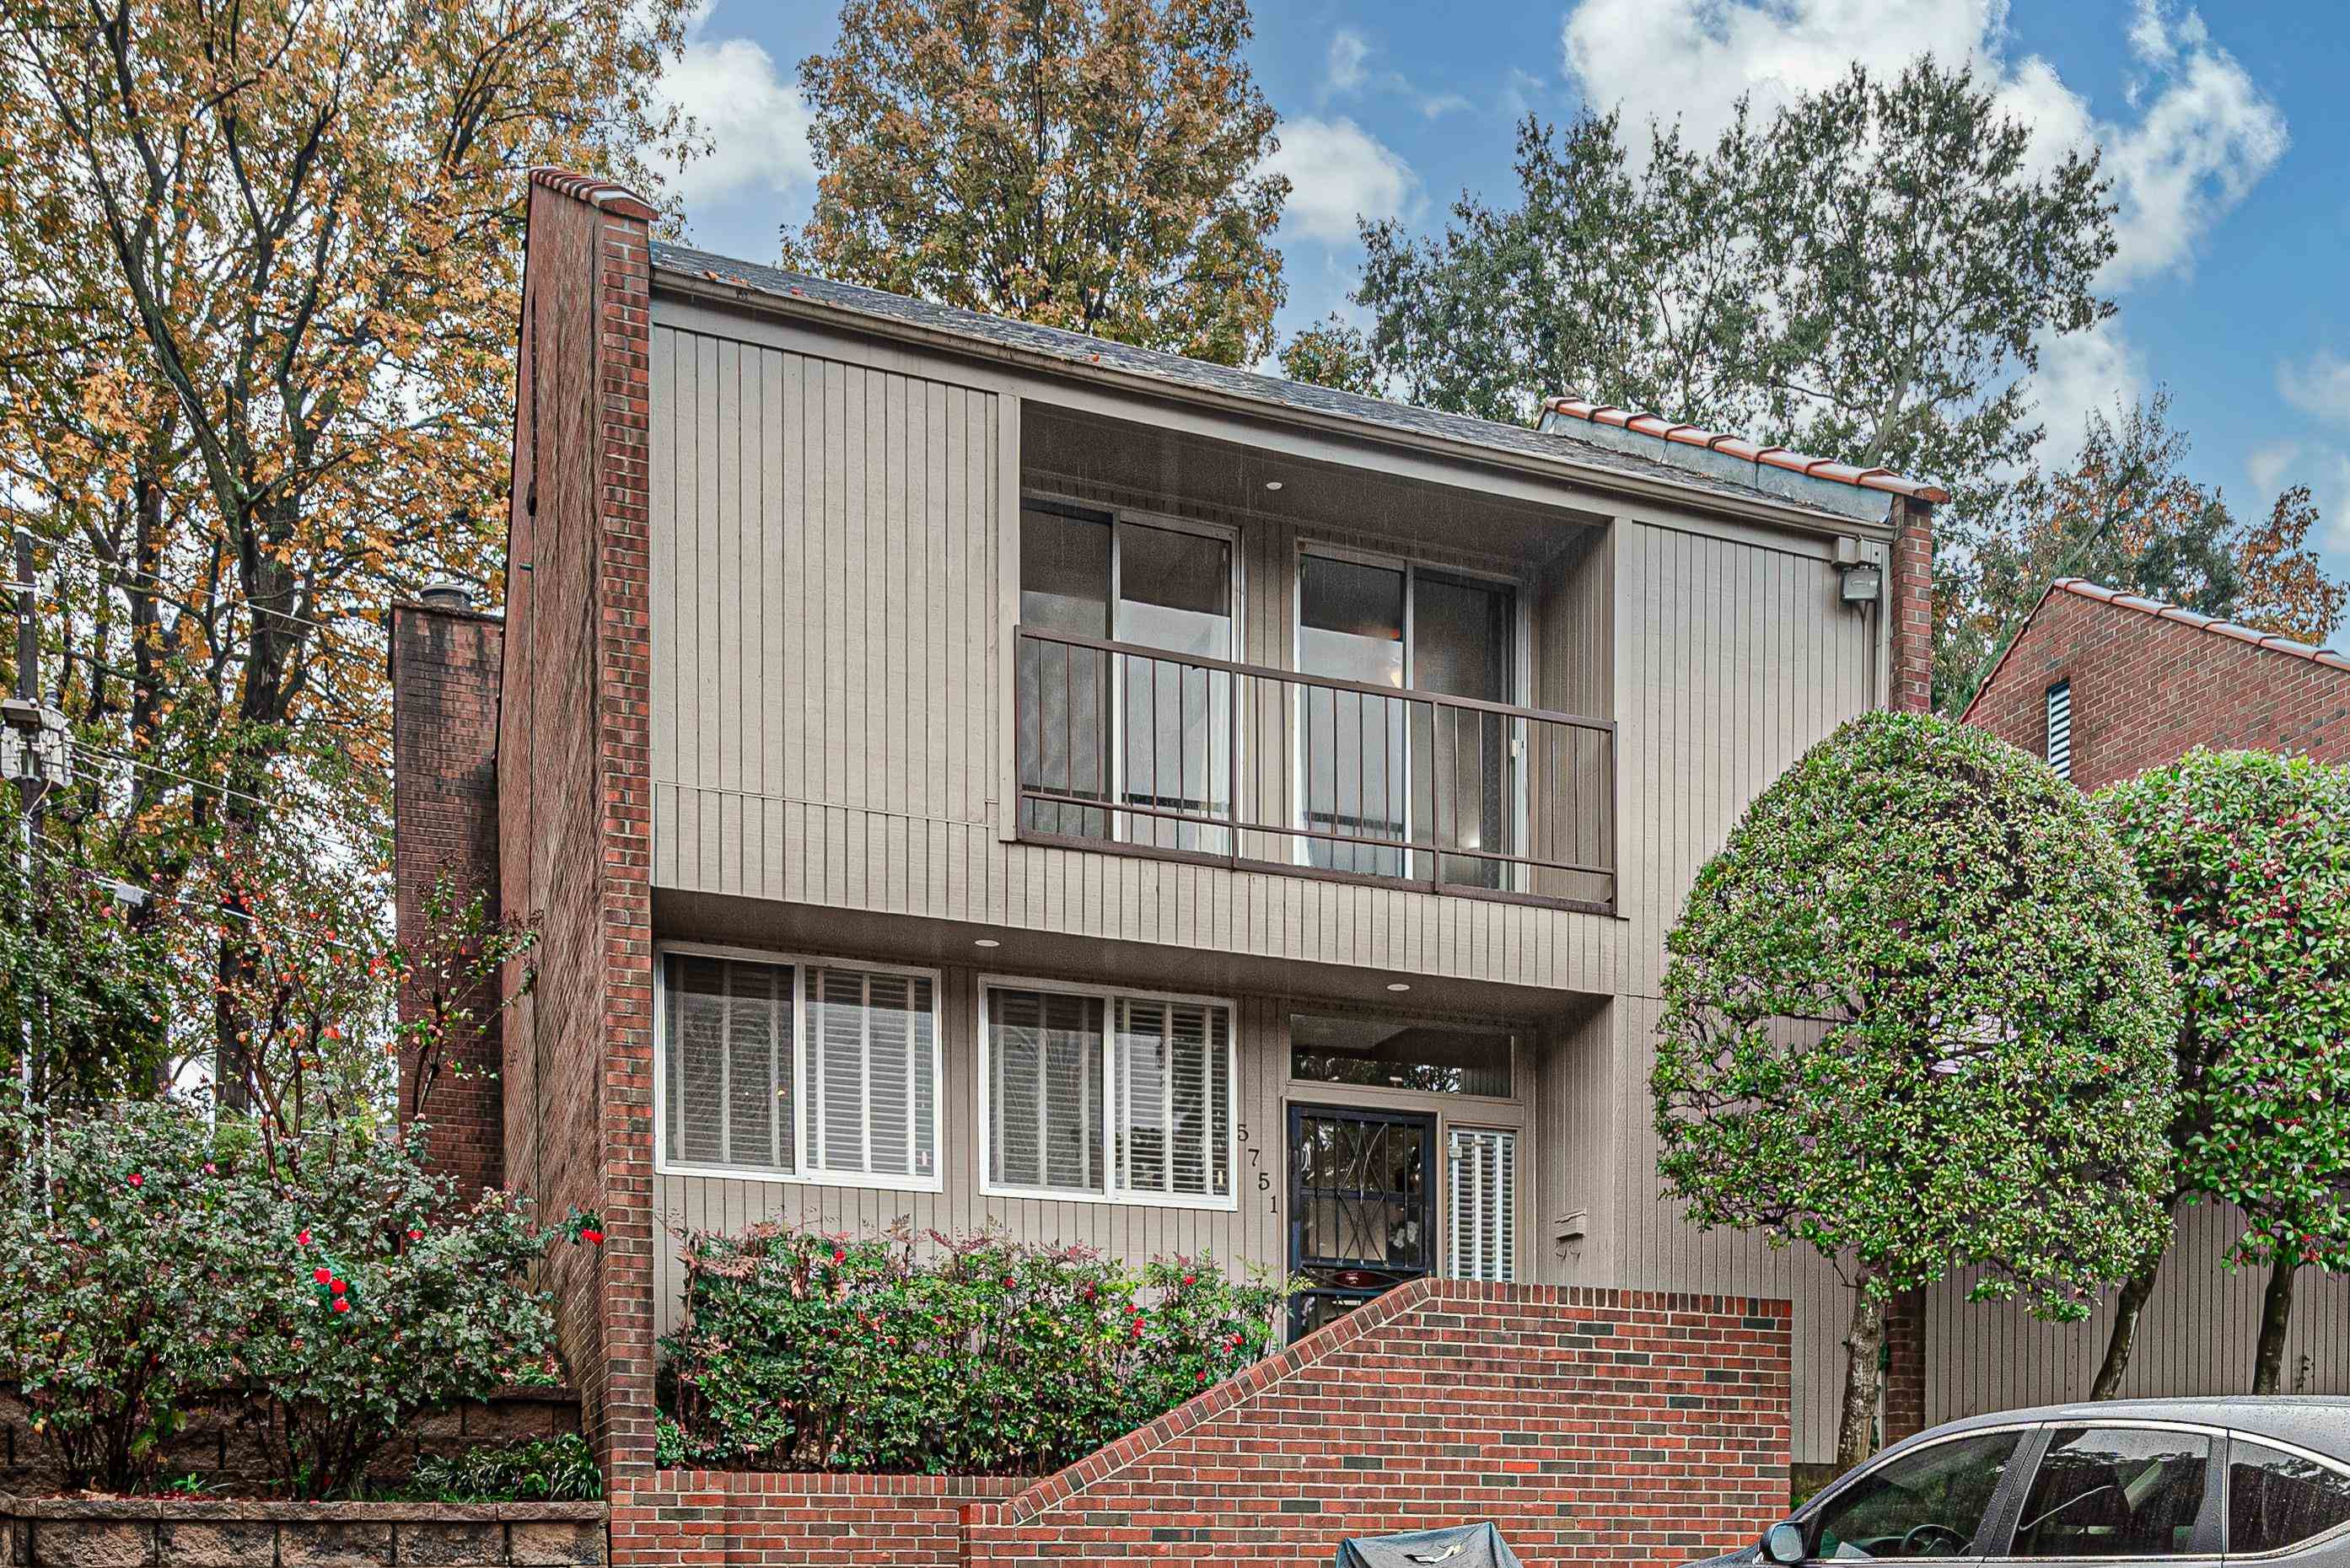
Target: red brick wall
<point>444,719</point>
<point>1911,598</point>
<point>2146,691</point>
<point>678,1519</point>
<point>1912,602</point>
<point>574,807</point>
<point>1591,1426</point>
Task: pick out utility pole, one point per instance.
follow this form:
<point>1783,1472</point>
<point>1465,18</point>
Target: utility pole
<point>36,754</point>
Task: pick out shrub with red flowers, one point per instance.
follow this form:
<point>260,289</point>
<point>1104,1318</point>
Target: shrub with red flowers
<point>151,1261</point>
<point>804,1350</point>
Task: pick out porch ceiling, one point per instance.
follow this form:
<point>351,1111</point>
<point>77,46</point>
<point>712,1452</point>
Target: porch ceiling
<point>785,927</point>
<point>1151,463</point>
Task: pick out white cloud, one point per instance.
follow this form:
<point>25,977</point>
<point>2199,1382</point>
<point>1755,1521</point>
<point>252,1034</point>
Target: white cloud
<point>2268,466</point>
<point>2081,374</point>
<point>1338,170</point>
<point>2325,470</point>
<point>2203,135</point>
<point>1349,51</point>
<point>757,122</point>
<point>2318,385</point>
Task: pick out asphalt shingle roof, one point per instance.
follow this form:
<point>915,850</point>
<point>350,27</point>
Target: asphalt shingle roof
<point>1078,349</point>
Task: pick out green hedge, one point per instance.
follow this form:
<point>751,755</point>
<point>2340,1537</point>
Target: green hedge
<point>976,1354</point>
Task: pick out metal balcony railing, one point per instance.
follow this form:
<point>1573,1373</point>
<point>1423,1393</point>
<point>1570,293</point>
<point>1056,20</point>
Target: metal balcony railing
<point>1124,747</point>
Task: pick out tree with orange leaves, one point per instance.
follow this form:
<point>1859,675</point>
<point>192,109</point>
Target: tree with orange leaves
<point>259,270</point>
<point>1091,164</point>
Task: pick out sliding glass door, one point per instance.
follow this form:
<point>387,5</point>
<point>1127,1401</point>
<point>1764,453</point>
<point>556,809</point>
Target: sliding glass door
<point>1387,785</point>
<point>1132,730</point>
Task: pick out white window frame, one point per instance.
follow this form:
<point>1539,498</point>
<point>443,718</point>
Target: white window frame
<point>1110,996</point>
<point>803,1141</point>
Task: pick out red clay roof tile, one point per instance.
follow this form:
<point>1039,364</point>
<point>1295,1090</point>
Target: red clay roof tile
<point>1777,457</point>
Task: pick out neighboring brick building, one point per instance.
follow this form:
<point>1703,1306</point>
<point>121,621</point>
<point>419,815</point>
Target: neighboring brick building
<point>2109,684</point>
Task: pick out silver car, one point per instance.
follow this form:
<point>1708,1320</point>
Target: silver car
<point>2188,1481</point>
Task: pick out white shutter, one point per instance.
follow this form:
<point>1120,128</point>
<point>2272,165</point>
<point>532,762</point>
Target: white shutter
<point>1044,1098</point>
<point>727,1077</point>
<point>873,1099</point>
<point>1481,1179</point>
<point>2060,728</point>
<point>1173,1077</point>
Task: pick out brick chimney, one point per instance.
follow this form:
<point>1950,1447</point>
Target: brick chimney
<point>446,662</point>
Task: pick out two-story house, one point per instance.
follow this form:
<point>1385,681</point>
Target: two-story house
<point>976,774</point>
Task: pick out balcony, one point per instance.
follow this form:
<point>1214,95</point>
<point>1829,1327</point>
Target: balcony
<point>1135,750</point>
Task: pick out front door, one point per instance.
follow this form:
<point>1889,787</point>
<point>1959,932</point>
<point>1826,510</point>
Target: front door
<point>1362,1206</point>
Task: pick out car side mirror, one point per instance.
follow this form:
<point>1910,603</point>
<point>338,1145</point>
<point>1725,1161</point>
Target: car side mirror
<point>1785,1543</point>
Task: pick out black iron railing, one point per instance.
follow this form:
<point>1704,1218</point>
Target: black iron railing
<point>1126,747</point>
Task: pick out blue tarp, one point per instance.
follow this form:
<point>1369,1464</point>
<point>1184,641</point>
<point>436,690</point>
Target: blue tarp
<point>1461,1546</point>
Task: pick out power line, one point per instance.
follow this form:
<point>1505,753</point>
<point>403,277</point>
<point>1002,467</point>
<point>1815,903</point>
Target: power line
<point>118,886</point>
<point>118,570</point>
<point>224,790</point>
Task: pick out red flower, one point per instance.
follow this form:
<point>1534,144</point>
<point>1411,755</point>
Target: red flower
<point>338,1286</point>
<point>1189,1278</point>
<point>416,1235</point>
<point>840,1254</point>
<point>1203,1378</point>
<point>302,1240</point>
<point>1008,1282</point>
<point>137,1179</point>
<point>592,1236</point>
<point>211,1169</point>
<point>342,1304</point>
<point>1236,1342</point>
<point>322,1275</point>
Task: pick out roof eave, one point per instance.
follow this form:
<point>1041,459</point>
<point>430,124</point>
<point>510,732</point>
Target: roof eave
<point>1591,477</point>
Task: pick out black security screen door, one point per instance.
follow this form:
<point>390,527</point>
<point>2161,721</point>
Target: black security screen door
<point>1362,1206</point>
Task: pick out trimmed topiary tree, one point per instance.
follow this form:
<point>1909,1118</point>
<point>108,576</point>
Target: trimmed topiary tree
<point>2246,856</point>
<point>1917,1017</point>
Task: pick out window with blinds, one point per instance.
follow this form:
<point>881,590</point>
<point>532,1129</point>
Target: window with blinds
<point>1097,1094</point>
<point>2060,728</point>
<point>1481,1182</point>
<point>783,1069</point>
<point>871,1088</point>
<point>730,1055</point>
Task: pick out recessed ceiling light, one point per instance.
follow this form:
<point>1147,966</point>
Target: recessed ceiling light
<point>1273,485</point>
<point>986,942</point>
<point>1398,985</point>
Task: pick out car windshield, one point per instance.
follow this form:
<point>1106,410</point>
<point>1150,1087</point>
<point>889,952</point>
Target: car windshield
<point>1929,1502</point>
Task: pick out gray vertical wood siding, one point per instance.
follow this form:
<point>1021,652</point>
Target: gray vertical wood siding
<point>2196,1336</point>
<point>829,558</point>
<point>827,539</point>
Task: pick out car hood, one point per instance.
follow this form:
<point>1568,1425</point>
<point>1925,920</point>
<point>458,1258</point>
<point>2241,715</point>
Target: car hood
<point>1736,1559</point>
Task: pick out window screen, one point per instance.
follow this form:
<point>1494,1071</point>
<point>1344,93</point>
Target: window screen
<point>2276,1498</point>
<point>729,1074</point>
<point>2060,728</point>
<point>869,1073</point>
<point>1481,1179</point>
<point>1108,1095</point>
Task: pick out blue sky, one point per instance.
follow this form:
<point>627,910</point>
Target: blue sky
<point>2227,130</point>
